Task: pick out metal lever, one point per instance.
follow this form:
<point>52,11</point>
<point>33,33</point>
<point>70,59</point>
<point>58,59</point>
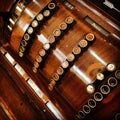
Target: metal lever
<point>110,5</point>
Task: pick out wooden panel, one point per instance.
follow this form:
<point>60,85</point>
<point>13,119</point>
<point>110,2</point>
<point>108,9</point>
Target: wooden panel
<point>90,36</point>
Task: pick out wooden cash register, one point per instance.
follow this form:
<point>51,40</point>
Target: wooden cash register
<point>60,60</point>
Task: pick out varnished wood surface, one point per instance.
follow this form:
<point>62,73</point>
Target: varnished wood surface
<point>26,17</point>
<point>58,100</point>
<point>69,95</point>
<point>3,115</point>
<point>16,98</point>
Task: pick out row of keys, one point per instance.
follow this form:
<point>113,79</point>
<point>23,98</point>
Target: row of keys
<point>100,77</point>
<point>52,40</point>
<point>35,25</point>
<point>19,8</point>
<point>111,82</point>
<point>71,57</point>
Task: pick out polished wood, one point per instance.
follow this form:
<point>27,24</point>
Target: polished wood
<point>68,92</point>
<point>21,107</point>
